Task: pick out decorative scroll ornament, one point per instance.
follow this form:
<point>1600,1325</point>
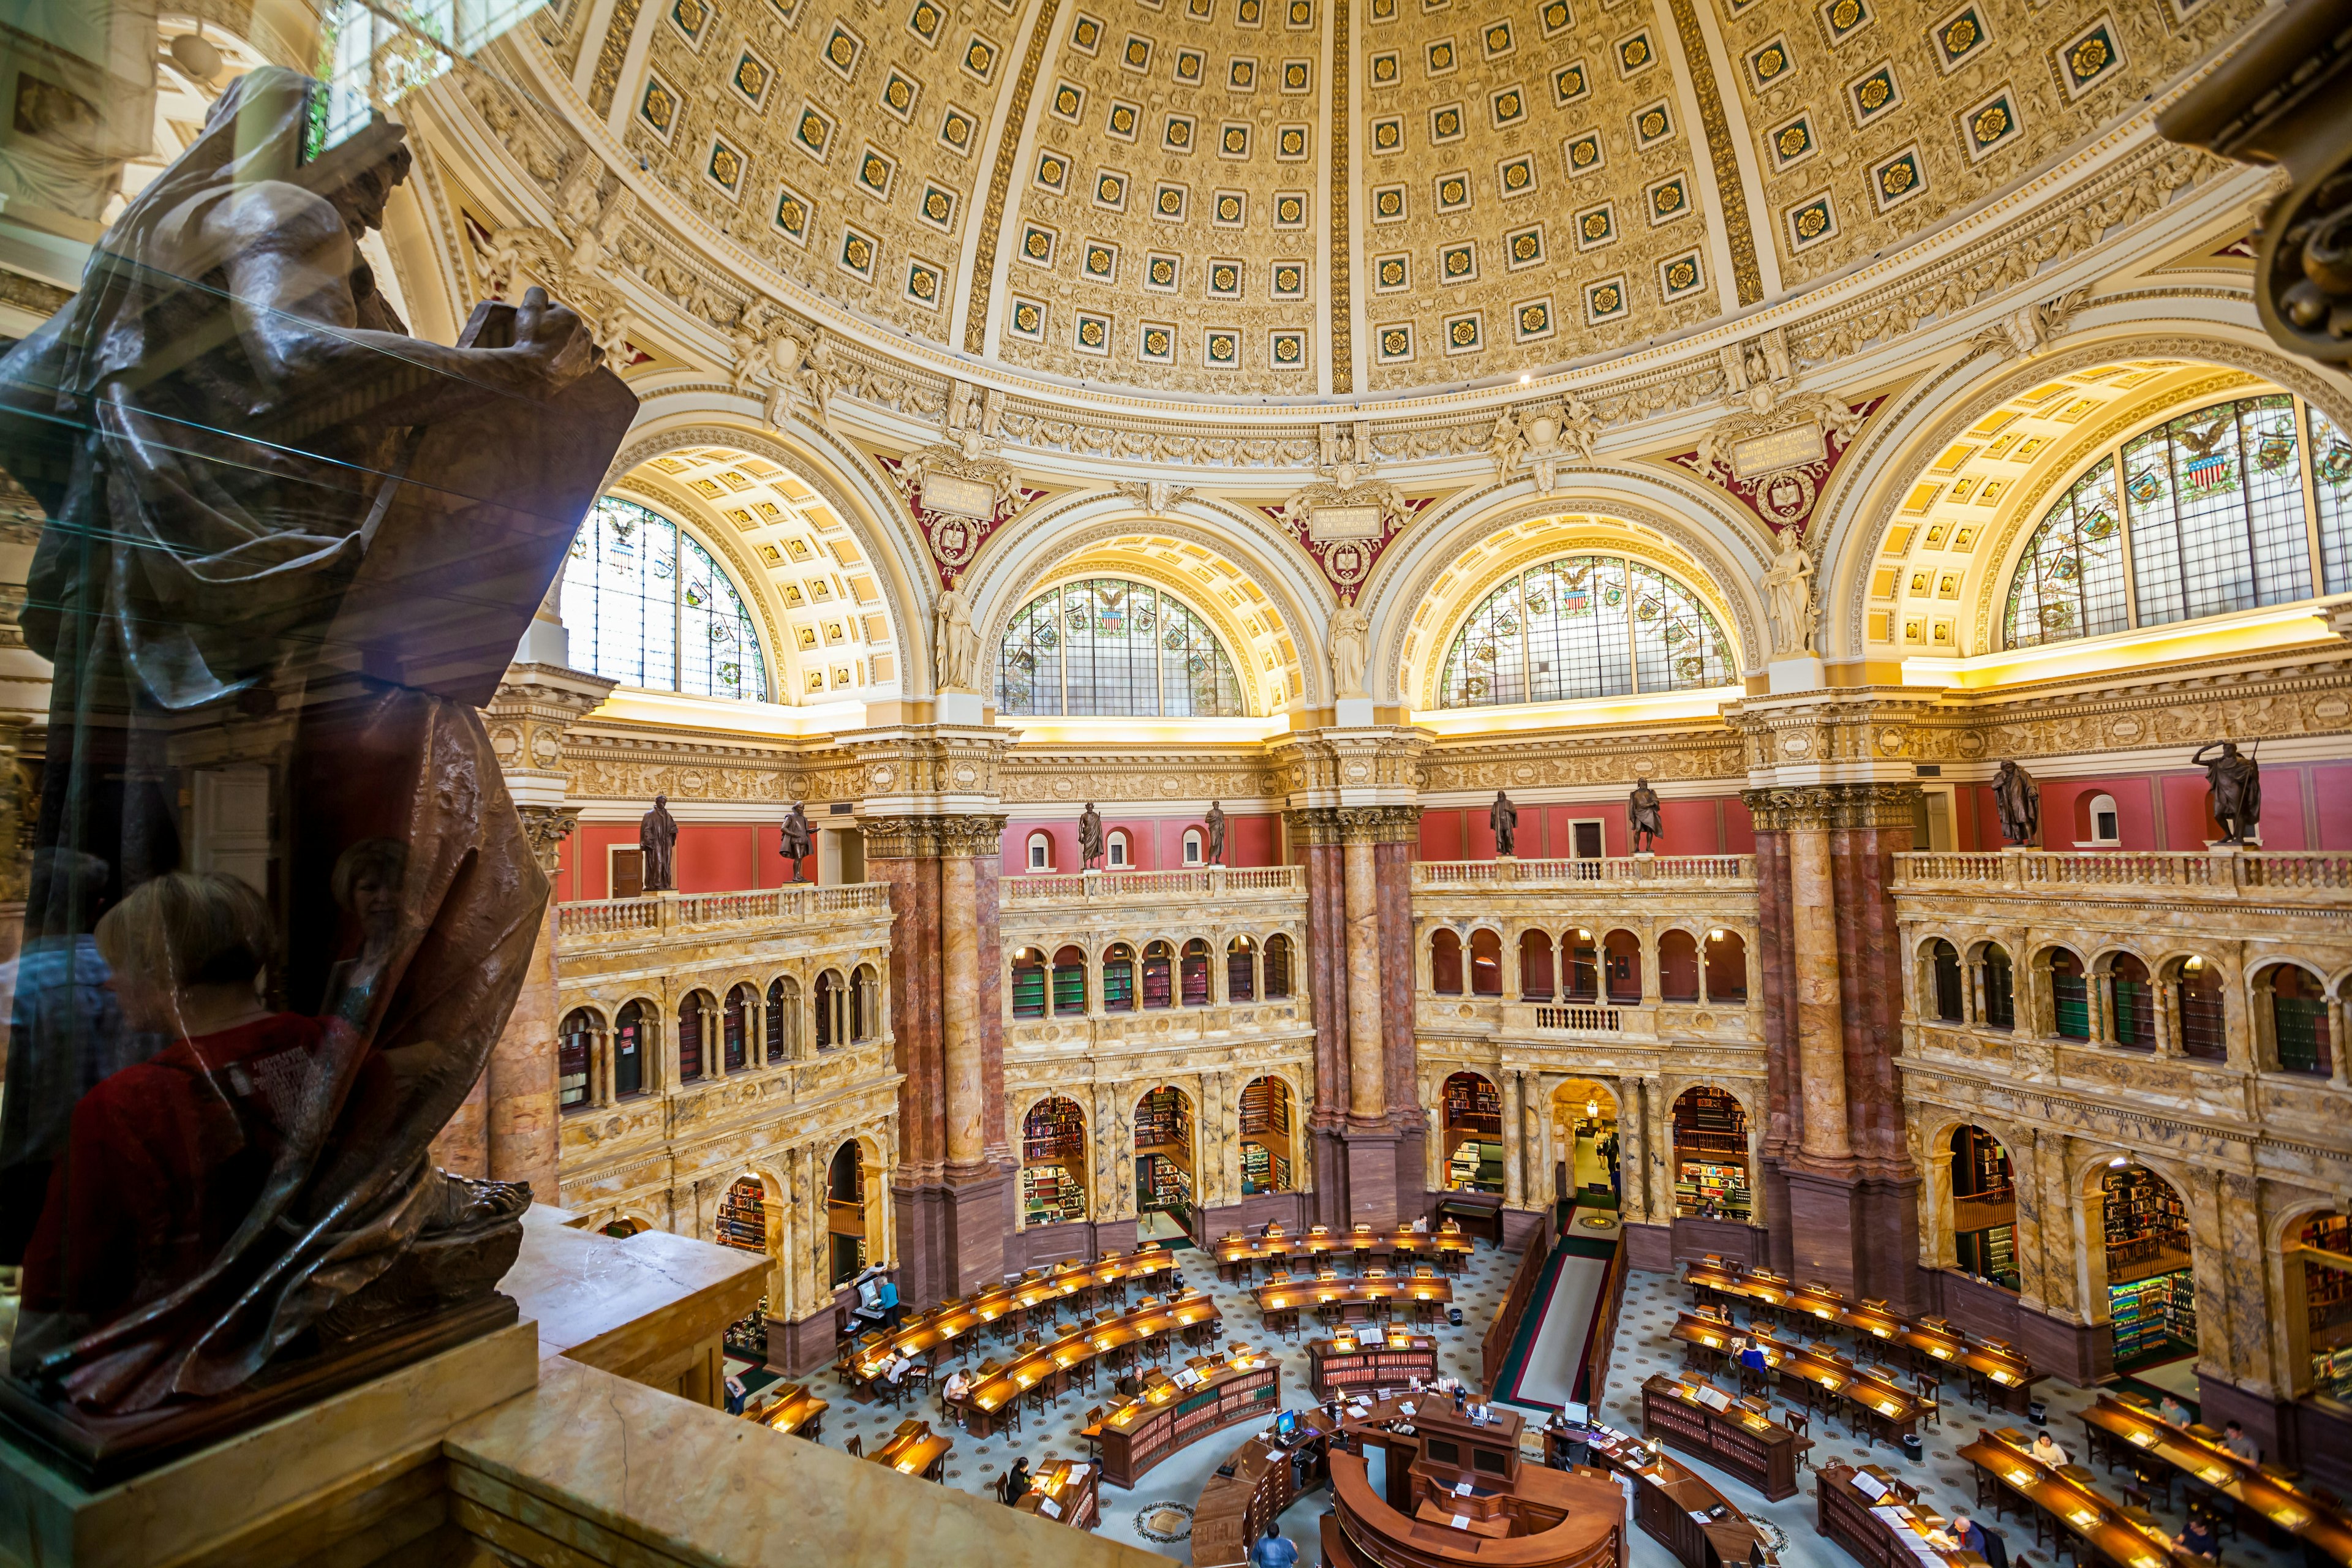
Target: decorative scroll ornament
<point>1348,518</point>
<point>1776,454</point>
<point>1154,496</point>
<point>2030,329</point>
<point>1554,435</point>
<point>957,489</point>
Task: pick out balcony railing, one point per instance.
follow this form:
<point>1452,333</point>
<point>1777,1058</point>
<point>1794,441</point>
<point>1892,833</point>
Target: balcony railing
<point>2225,871</point>
<point>1604,1019</point>
<point>663,913</point>
<point>1709,870</point>
<point>1205,881</point>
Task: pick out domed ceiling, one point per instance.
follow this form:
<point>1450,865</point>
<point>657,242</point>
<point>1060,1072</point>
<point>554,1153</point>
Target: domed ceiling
<point>1301,197</point>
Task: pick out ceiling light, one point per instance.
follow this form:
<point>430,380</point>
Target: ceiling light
<point>1525,377</point>
<point>2118,1162</point>
<point>1592,1110</point>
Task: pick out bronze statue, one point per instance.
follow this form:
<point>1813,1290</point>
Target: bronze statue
<point>799,842</point>
<point>1216,824</point>
<point>2018,800</point>
<point>2233,785</point>
<point>657,842</point>
<point>1504,818</point>
<point>1641,817</point>
<point>1090,838</point>
<point>279,529</point>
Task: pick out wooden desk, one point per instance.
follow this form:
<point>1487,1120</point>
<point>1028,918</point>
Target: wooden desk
<point>1067,1491</point>
<point>1932,1347</point>
<point>2121,1535</point>
<point>916,1450</point>
<point>1372,1363</point>
<point>1141,1432</point>
<point>1050,1362</point>
<point>1756,1448</point>
<point>794,1411</point>
<point>2326,1530</point>
<point>1444,1248</point>
<point>1547,1518</point>
<point>1475,1213</point>
<point>1353,1296</point>
<point>1264,1480</point>
<point>1847,1516</point>
<point>925,1338</point>
<point>1891,1412</point>
<point>1667,1494</point>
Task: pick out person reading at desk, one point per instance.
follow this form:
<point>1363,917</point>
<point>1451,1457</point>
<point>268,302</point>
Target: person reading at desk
<point>1450,1228</point>
<point>1752,1357</point>
<point>2234,1439</point>
<point>1970,1536</point>
<point>2199,1539</point>
<point>2048,1451</point>
<point>957,1386</point>
<point>1420,1225</point>
<point>2170,1409</point>
<point>1016,1480</point>
<point>894,1369</point>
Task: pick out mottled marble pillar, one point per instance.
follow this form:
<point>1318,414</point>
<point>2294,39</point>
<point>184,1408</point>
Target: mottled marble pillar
<point>959,1011</point>
<point>520,1101</point>
<point>1819,1017</point>
<point>1367,1097</point>
<point>1515,1187</point>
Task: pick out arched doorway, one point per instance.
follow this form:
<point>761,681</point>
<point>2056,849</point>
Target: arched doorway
<point>1269,1130</point>
<point>1470,1119</point>
<point>1164,1143</point>
<point>2324,1250</point>
<point>742,1223</point>
<point>1711,1156</point>
<point>629,1051</point>
<point>1584,1130</point>
<point>1984,1208</point>
<point>2151,1283</point>
<point>845,1213</point>
<point>1052,1162</point>
<point>576,1059</point>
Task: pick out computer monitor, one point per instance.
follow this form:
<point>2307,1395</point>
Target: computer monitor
<point>1576,1415</point>
<point>1285,1426</point>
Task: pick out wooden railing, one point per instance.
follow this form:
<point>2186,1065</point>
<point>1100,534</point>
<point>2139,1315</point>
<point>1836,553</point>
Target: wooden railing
<point>663,913</point>
<point>2224,871</point>
<point>1197,882</point>
<point>1496,1343</point>
<point>1593,1385</point>
<point>1712,870</point>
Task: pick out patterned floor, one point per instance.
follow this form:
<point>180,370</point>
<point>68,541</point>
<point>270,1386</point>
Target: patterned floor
<point>1156,1515</point>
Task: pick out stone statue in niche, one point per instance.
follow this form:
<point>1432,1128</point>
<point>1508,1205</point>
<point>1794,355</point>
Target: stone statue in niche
<point>799,842</point>
<point>954,645</point>
<point>1349,629</point>
<point>1090,838</point>
<point>1504,818</point>
<point>2233,785</point>
<point>1789,589</point>
<point>657,841</point>
<point>1216,821</point>
<point>1641,817</point>
<point>2018,800</point>
<point>278,530</point>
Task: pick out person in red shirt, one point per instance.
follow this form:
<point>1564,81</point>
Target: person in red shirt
<point>167,1160</point>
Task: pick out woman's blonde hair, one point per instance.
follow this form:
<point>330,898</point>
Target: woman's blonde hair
<point>185,928</point>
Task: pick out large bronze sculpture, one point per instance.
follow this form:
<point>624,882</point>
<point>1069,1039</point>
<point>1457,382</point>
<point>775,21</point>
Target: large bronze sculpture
<point>1504,818</point>
<point>1643,822</point>
<point>2017,801</point>
<point>289,542</point>
<point>2233,788</point>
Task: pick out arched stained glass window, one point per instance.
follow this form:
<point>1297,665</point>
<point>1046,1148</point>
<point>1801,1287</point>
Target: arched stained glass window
<point>2201,515</point>
<point>648,607</point>
<point>1106,646</point>
<point>1584,626</point>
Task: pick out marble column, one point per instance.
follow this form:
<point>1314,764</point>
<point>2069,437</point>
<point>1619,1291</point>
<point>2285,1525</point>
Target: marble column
<point>959,1010</point>
<point>1366,1086</point>
<point>1821,1028</point>
<point>1515,1187</point>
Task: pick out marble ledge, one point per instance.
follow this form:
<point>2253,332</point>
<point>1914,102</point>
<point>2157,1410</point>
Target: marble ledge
<point>593,1468</point>
<point>628,1306</point>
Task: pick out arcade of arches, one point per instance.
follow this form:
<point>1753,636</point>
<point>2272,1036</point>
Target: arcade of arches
<point>1325,713</point>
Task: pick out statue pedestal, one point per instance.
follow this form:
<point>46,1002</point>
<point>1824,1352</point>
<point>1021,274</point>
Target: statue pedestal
<point>1352,712</point>
<point>1800,672</point>
<point>967,707</point>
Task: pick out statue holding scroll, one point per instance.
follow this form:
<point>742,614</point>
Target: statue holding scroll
<point>284,535</point>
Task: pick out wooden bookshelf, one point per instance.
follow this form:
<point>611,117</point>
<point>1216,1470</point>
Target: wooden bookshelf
<point>744,1215</point>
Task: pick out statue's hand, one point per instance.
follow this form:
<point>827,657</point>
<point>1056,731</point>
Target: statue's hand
<point>555,338</point>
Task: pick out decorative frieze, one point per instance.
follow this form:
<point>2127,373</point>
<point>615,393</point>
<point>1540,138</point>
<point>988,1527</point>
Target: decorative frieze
<point>932,837</point>
<point>1832,807</point>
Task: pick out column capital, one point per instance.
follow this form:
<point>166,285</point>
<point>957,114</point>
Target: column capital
<point>1780,808</point>
<point>547,826</point>
<point>926,837</point>
<point>1327,768</point>
<point>924,770</point>
<point>534,706</point>
<point>1354,823</point>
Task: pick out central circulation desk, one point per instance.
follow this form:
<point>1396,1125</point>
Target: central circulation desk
<point>1448,1249</point>
<point>1676,1507</point>
<point>1931,1341</point>
<point>2128,1427</point>
<point>925,1338</point>
<point>1730,1436</point>
<point>1174,1410</point>
<point>1252,1488</point>
<point>1891,1412</point>
<point>1067,1491</point>
<point>1874,1523</point>
<point>1457,1493</point>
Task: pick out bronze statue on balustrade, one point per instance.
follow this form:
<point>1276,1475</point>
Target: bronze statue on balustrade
<point>798,841</point>
<point>2234,786</point>
<point>288,555</point>
<point>1642,818</point>
<point>657,842</point>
